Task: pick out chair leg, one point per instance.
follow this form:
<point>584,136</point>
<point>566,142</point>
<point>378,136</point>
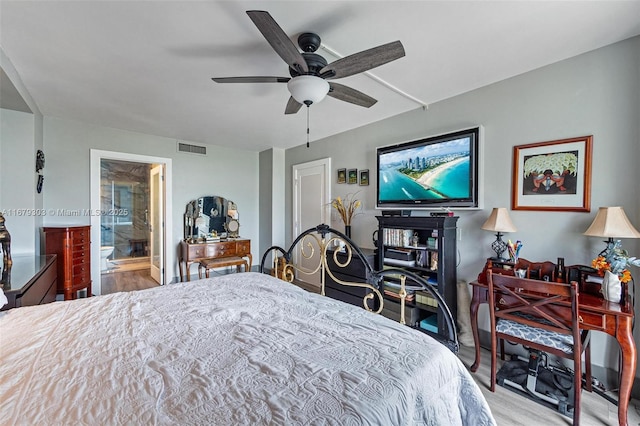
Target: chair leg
<point>494,356</point>
<point>587,367</point>
<point>577,386</point>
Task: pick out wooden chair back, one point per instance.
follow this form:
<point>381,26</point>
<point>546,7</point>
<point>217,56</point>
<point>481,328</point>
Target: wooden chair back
<point>537,304</point>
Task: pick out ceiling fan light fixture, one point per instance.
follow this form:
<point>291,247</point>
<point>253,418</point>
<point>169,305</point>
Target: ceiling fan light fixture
<point>308,89</point>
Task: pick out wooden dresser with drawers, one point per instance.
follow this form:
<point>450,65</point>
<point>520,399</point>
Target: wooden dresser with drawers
<point>72,245</point>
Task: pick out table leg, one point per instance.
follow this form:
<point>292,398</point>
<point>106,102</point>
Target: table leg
<point>475,303</point>
<point>181,268</point>
<point>624,336</point>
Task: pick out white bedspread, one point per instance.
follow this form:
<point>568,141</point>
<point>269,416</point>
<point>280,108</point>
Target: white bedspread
<point>241,349</point>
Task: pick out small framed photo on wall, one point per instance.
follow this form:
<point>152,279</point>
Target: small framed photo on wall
<point>352,175</point>
<point>364,177</point>
<point>342,175</point>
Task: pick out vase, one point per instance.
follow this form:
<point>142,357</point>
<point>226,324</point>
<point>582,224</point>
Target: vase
<point>347,230</point>
<point>611,287</point>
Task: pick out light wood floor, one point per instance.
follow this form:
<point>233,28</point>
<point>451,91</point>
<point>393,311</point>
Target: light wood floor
<point>509,408</point>
<point>127,280</point>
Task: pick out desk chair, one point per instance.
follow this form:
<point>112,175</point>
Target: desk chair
<point>525,311</point>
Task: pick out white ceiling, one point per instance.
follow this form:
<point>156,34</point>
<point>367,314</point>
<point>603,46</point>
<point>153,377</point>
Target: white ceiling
<point>146,66</point>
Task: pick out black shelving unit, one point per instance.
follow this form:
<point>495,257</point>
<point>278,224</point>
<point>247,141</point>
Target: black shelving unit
<point>434,258</point>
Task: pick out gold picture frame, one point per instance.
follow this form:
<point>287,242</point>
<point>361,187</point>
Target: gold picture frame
<point>342,176</point>
<point>553,175</point>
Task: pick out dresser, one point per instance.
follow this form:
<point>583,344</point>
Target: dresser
<point>190,253</point>
<point>72,245</point>
<point>30,280</point>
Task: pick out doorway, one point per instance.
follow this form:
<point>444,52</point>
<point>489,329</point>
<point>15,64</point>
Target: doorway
<point>129,236</point>
<point>311,204</point>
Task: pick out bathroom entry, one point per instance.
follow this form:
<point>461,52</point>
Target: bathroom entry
<point>126,225</point>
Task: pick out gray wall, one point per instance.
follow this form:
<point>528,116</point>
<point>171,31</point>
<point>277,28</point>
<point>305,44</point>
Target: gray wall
<point>21,135</point>
<point>227,172</point>
<point>272,202</point>
<point>597,93</point>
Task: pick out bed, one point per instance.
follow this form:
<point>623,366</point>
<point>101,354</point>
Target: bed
<point>237,349</point>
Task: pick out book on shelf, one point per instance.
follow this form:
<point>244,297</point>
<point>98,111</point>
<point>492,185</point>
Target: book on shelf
<point>398,262</point>
<point>400,237</point>
<point>425,298</point>
<point>395,286</point>
<point>409,298</point>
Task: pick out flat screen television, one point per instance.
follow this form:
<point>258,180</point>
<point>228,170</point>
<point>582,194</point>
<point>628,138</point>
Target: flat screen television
<point>437,172</point>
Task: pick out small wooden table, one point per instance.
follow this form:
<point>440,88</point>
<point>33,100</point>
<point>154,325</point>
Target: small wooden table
<point>190,253</point>
<point>596,314</point>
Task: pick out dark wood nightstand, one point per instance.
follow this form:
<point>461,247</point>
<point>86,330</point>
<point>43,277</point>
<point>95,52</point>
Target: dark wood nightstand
<point>31,280</point>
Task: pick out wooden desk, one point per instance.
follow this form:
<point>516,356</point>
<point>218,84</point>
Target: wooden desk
<point>596,314</point>
<point>191,253</point>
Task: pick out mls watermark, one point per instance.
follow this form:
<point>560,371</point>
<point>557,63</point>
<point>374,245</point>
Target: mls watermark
<point>64,212</point>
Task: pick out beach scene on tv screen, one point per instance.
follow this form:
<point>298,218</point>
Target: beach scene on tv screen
<point>437,171</point>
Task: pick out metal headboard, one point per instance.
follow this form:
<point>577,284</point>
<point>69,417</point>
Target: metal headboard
<point>322,238</point>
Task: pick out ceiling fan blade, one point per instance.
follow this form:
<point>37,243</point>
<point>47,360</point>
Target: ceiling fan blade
<point>278,40</point>
<point>293,106</point>
<point>363,61</point>
<point>347,94</point>
<point>256,79</point>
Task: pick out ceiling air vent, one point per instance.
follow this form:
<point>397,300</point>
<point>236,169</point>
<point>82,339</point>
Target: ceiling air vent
<point>193,149</point>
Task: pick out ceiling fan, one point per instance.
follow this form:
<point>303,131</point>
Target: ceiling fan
<point>309,71</point>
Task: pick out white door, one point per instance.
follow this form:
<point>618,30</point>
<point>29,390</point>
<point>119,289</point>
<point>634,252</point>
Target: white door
<point>312,195</point>
<point>156,225</point>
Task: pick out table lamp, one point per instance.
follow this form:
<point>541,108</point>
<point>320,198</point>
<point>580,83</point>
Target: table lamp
<point>611,222</point>
<point>499,222</point>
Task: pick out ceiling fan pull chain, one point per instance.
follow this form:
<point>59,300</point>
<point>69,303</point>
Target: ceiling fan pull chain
<point>307,126</point>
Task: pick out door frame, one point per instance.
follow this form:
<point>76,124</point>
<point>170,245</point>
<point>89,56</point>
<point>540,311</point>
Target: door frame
<point>157,271</point>
<point>325,212</point>
<point>96,157</point>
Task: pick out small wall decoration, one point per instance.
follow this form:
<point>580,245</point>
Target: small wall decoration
<point>39,167</point>
<point>39,161</point>
<point>342,175</point>
<point>352,175</point>
<point>553,175</point>
<point>364,177</point>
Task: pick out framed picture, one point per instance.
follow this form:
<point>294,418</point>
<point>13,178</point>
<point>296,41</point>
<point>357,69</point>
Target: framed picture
<point>352,175</point>
<point>364,177</point>
<point>342,175</point>
<point>553,175</point>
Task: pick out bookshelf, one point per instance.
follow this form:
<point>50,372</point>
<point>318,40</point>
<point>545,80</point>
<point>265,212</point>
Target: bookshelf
<point>426,246</point>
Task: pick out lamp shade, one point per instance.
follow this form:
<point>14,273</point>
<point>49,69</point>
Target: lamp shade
<point>612,222</point>
<point>499,221</point>
<point>308,89</point>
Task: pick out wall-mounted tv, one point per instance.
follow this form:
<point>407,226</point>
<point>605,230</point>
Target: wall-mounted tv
<point>435,172</point>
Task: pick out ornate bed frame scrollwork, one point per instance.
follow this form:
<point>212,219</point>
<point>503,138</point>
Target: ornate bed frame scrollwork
<point>321,239</point>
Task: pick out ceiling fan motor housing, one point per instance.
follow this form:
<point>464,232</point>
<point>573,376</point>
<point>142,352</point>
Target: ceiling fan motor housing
<point>315,63</point>
<point>309,42</point>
